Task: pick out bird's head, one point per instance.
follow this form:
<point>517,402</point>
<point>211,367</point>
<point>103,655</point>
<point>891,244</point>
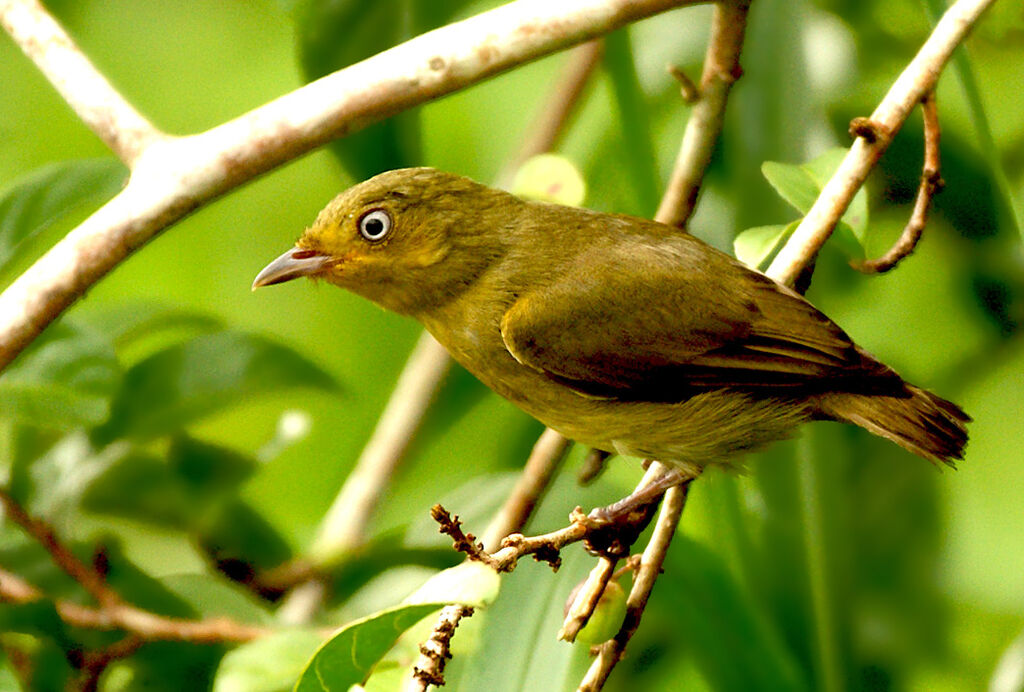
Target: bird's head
<point>408,239</point>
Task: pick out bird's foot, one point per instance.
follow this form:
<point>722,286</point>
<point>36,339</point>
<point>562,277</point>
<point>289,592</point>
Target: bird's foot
<point>617,526</point>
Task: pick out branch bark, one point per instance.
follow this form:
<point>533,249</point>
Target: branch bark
<point>721,70</point>
<point>931,184</point>
<point>918,79</point>
<point>171,177</point>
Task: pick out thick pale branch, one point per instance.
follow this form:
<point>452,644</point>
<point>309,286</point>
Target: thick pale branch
<point>910,88</point>
<point>721,70</point>
<point>171,178</point>
<point>87,91</point>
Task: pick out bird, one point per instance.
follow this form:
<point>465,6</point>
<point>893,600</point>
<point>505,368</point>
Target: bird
<point>618,332</point>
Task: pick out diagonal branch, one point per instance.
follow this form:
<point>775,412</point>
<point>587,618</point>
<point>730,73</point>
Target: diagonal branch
<point>918,79</point>
<point>175,176</point>
<point>88,92</point>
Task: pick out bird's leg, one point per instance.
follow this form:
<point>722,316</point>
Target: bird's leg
<point>635,502</point>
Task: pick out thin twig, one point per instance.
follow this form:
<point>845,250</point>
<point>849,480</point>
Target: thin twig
<point>721,70</point>
<point>917,79</point>
<point>587,598</point>
<point>126,617</point>
<point>92,664</point>
<point>43,533</point>
<point>931,184</point>
<point>544,460</point>
<point>173,177</point>
<point>610,652</point>
<point>88,92</point>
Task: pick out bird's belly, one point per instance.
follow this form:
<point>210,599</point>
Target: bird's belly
<point>709,427</point>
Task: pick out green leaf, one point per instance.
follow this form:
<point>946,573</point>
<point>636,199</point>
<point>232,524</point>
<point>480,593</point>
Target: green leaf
<point>208,469</point>
<point>140,486</point>
<point>128,323</point>
<point>349,656</point>
<point>522,626</point>
<point>800,185</point>
<point>182,491</point>
<point>46,195</point>
<point>239,534</point>
<point>470,583</point>
<point>270,664</point>
<point>732,643</point>
<point>212,597</point>
<point>754,246</point>
<point>792,182</point>
<point>65,379</point>
<point>186,382</point>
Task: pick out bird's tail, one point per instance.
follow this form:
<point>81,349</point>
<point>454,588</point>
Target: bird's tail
<point>915,419</point>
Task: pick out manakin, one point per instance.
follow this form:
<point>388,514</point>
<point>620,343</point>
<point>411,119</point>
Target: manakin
<point>618,332</point>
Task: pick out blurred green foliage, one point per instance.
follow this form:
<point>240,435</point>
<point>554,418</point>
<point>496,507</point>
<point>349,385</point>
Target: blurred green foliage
<point>155,425</point>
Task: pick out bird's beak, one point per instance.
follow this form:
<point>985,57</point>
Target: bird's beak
<point>291,265</point>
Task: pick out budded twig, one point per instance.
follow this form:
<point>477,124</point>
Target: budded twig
<point>931,184</point>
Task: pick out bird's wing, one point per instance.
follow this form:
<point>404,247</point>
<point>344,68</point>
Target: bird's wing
<point>654,319</point>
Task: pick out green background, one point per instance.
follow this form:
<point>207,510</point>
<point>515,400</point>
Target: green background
<point>920,570</point>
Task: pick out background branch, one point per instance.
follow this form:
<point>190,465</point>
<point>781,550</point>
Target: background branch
<point>918,79</point>
<point>721,70</point>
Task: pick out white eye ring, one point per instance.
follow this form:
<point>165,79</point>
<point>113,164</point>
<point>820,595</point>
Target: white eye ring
<point>375,225</point>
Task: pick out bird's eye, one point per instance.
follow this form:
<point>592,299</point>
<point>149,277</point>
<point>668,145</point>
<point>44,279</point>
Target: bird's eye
<point>375,225</point>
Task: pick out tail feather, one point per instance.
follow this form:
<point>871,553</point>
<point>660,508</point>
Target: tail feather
<point>915,419</point>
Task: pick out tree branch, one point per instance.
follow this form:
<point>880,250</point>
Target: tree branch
<point>123,616</point>
<point>721,70</point>
<point>43,533</point>
<point>544,459</point>
<point>931,184</point>
<point>917,80</point>
<point>610,652</point>
<point>172,177</point>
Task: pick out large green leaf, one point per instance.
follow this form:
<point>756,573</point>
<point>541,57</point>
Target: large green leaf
<point>733,644</point>
<point>336,33</point>
<point>349,656</point>
<point>63,380</point>
<point>270,664</point>
<point>185,382</point>
<point>214,597</point>
<point>800,185</point>
<point>130,322</point>
<point>46,195</point>
<point>754,246</point>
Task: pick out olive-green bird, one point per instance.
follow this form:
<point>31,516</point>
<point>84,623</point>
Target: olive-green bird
<point>618,332</point>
